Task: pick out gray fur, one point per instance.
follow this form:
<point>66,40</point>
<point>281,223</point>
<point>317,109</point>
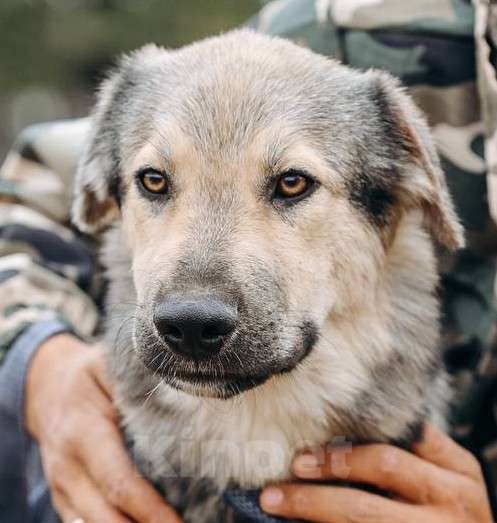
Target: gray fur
<point>320,366</point>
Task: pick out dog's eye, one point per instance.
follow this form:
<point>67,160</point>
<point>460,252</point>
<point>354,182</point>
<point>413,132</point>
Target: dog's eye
<point>154,181</point>
<point>292,184</point>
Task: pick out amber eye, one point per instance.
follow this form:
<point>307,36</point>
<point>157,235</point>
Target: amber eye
<point>154,181</point>
<point>292,184</point>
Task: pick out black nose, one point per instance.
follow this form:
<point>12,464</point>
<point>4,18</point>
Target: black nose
<point>195,327</point>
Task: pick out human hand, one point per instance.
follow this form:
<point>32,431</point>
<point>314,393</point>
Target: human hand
<point>69,411</point>
<point>440,482</point>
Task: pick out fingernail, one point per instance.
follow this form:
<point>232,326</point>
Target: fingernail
<point>271,497</point>
<point>305,463</point>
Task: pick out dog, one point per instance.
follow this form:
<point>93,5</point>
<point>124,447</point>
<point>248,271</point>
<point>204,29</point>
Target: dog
<point>269,223</point>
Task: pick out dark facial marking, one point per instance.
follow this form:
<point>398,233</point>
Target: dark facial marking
<point>115,188</point>
<point>373,194</point>
<point>373,189</point>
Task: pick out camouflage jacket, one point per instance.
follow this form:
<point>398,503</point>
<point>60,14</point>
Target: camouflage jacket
<point>444,51</point>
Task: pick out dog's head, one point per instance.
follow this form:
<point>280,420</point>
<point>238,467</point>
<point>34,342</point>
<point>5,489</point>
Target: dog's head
<point>259,188</point>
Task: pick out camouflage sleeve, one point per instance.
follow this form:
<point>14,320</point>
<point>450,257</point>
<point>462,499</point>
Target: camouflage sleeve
<point>47,271</point>
<point>49,283</point>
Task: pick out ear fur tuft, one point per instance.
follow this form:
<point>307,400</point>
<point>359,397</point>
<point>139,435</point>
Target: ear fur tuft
<point>422,182</point>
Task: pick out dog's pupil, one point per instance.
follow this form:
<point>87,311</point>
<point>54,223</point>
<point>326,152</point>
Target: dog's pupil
<point>155,181</point>
<point>293,184</point>
<point>292,181</point>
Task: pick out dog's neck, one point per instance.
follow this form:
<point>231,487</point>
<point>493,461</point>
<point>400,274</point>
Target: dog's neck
<point>356,385</point>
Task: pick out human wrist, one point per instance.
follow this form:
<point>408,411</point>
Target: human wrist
<point>48,365</point>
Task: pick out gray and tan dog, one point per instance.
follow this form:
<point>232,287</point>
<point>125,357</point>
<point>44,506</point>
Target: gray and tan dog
<point>271,218</point>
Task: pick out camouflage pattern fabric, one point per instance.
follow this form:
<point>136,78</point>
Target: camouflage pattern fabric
<point>444,51</point>
<point>47,270</point>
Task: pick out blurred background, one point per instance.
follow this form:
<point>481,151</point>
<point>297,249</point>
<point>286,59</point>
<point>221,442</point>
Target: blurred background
<point>53,53</point>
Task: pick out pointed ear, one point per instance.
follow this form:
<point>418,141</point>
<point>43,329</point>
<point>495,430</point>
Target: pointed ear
<point>421,180</point>
<point>97,188</point>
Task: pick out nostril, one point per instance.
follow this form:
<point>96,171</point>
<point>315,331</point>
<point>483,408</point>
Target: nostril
<point>172,332</point>
<point>211,332</point>
<point>217,330</point>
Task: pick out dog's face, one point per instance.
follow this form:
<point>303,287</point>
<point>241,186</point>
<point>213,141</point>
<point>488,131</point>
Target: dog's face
<point>258,187</point>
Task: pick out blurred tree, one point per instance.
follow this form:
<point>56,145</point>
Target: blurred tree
<point>54,52</point>
<point>66,43</point>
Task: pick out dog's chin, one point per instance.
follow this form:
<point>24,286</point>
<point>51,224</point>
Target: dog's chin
<point>210,386</point>
<point>217,383</point>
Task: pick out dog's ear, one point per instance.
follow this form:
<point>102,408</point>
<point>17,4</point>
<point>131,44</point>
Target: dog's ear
<point>98,187</point>
<point>421,181</point>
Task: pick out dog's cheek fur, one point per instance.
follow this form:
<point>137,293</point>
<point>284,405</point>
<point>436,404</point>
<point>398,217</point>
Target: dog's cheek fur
<point>153,245</point>
<point>334,259</point>
<point>390,359</point>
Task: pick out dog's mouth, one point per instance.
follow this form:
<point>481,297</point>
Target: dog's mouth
<point>219,382</point>
<point>221,385</point>
<point>216,382</point>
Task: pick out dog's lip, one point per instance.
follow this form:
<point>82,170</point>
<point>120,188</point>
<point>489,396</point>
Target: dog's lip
<point>221,378</point>
<point>219,385</point>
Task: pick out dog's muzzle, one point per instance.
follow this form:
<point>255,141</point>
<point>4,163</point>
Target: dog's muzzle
<point>212,344</point>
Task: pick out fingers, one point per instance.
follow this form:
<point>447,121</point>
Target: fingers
<point>67,515</point>
<point>441,450</point>
<point>387,467</point>
<point>115,476</point>
<point>419,477</point>
<point>333,505</point>
<point>65,512</point>
<point>439,482</point>
<point>86,503</point>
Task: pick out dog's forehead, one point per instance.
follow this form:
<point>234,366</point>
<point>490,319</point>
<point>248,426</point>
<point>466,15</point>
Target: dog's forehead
<point>223,91</point>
